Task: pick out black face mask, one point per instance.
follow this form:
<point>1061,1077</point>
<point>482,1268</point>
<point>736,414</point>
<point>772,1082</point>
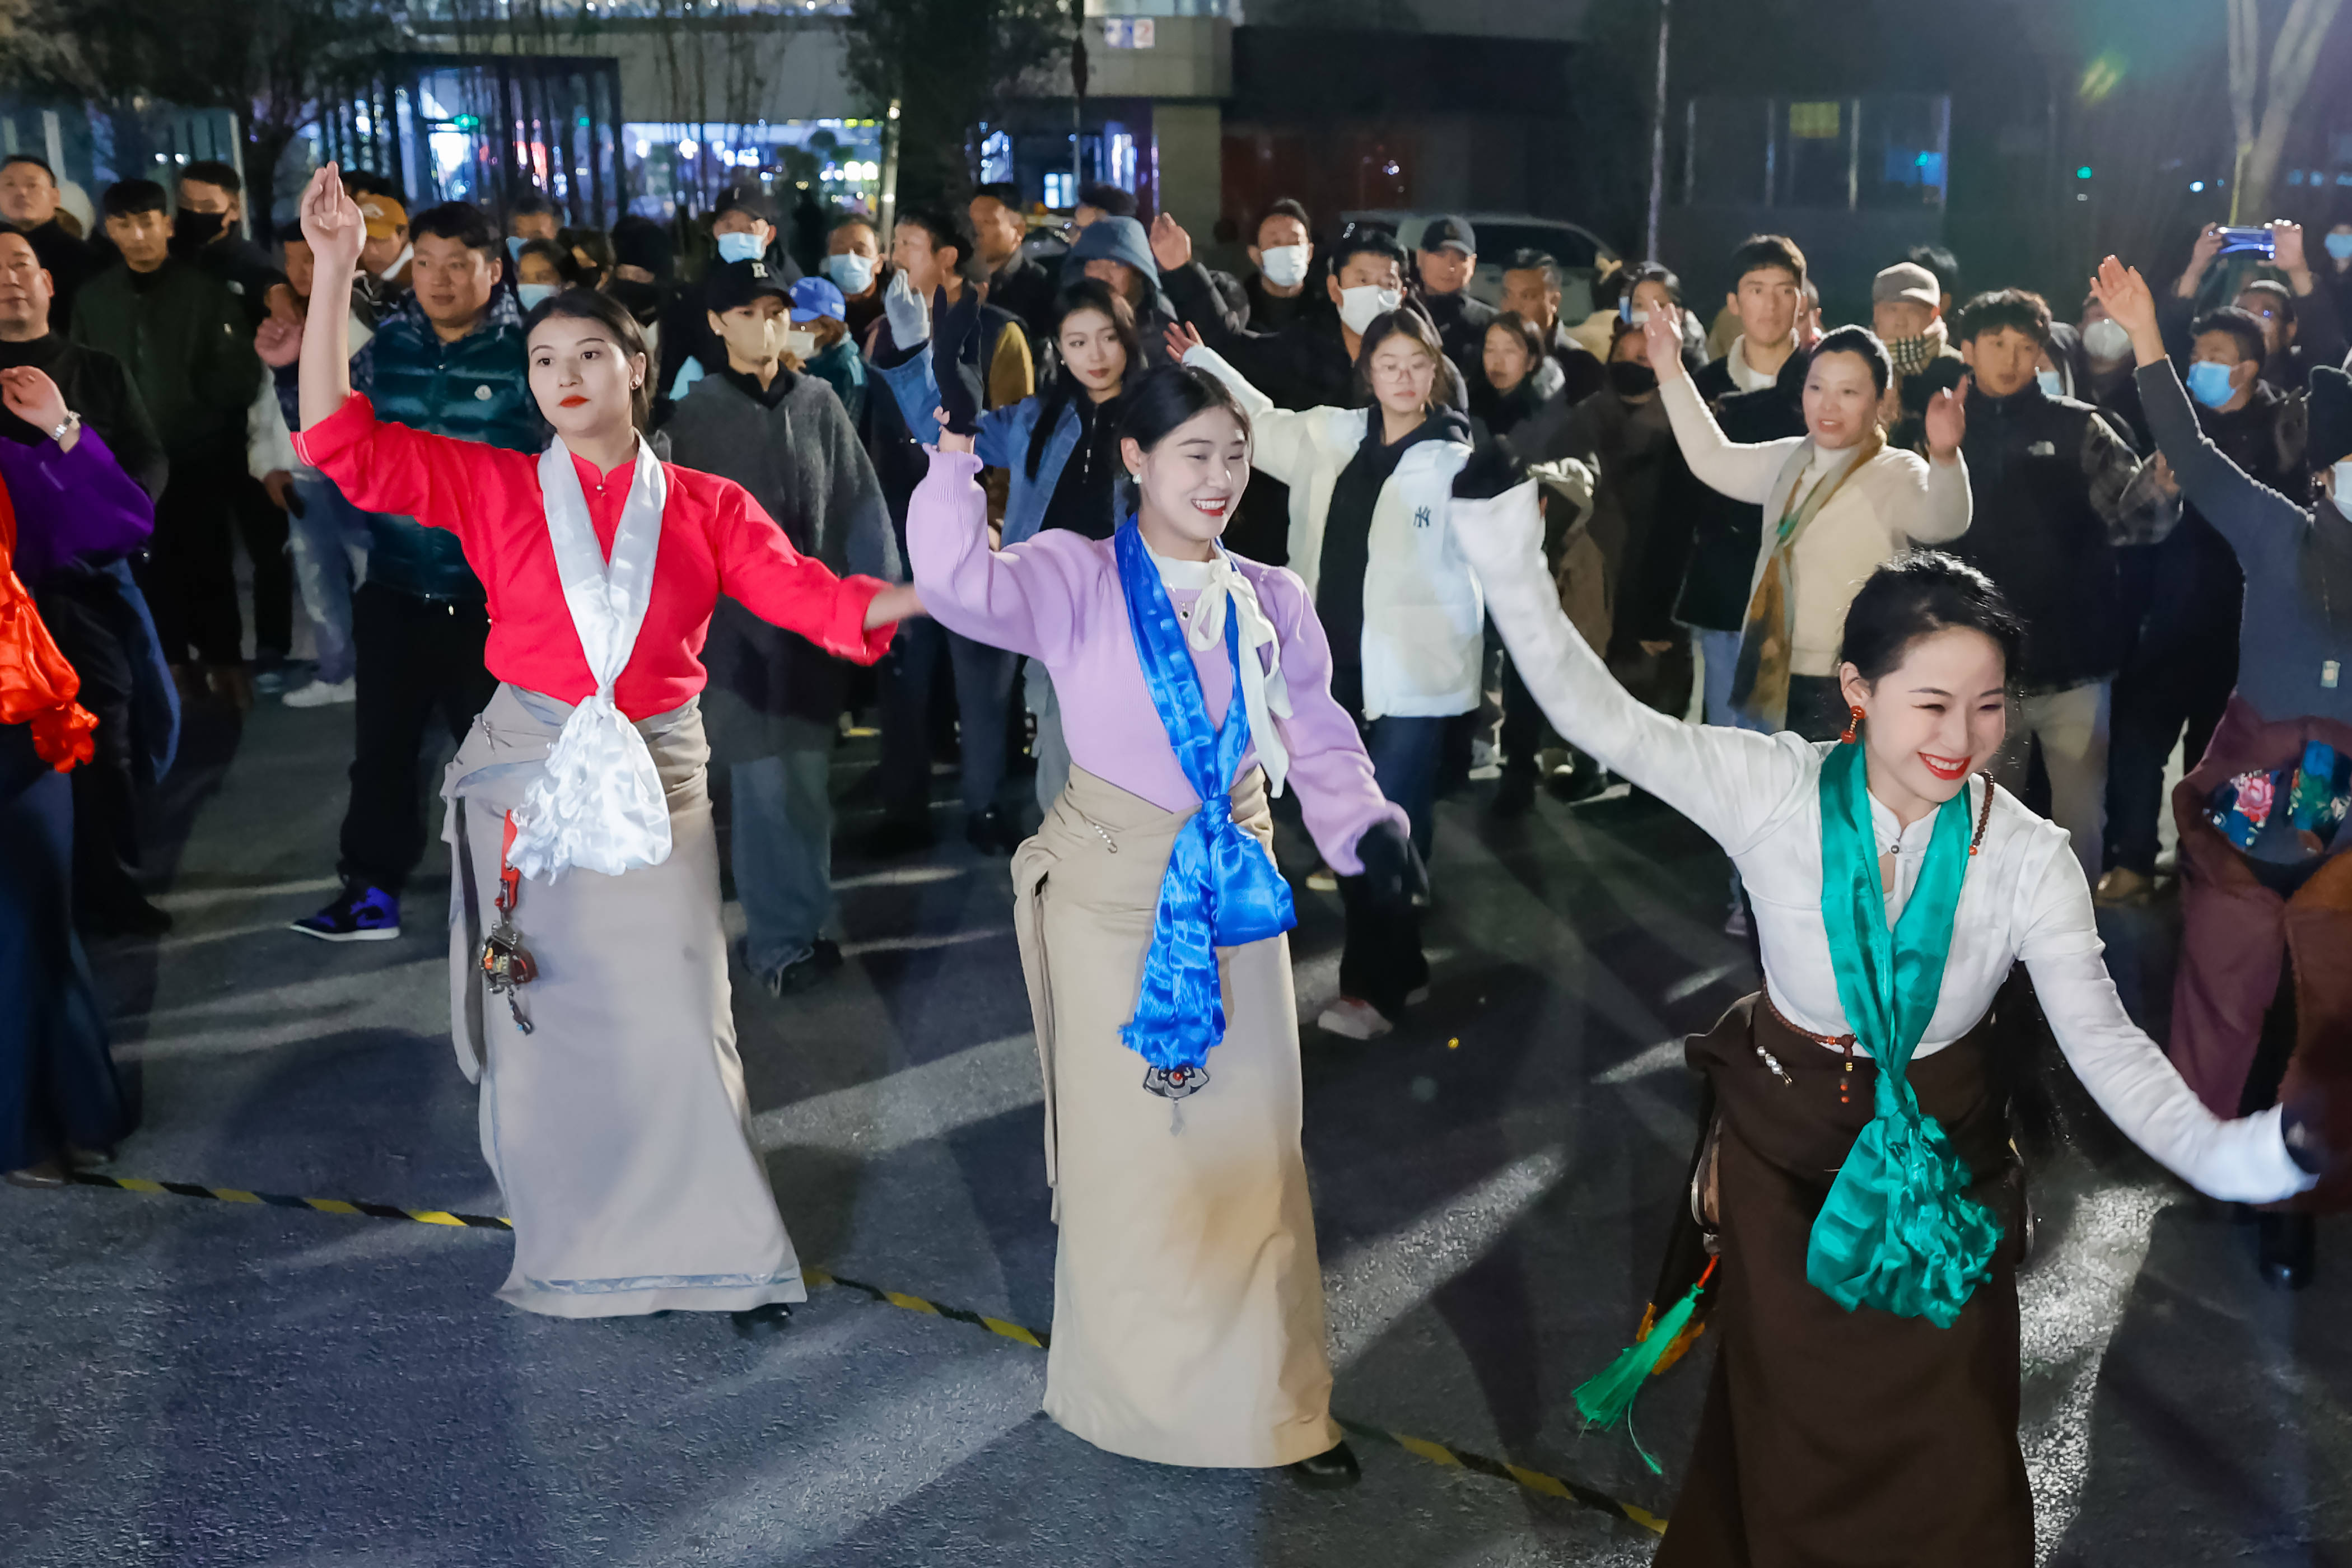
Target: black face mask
<point>1631,380</point>
<point>191,229</point>
<point>642,300</point>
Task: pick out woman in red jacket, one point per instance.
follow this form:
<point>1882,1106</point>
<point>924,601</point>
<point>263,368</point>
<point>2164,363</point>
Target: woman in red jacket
<point>593,1008</point>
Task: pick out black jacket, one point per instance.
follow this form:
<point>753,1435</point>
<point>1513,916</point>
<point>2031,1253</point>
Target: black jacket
<point>70,261</point>
<point>1726,533</point>
<point>1461,323</point>
<point>245,268</point>
<point>180,333</point>
<point>2039,537</point>
<point>1272,312</point>
<point>96,387</point>
<point>1027,291</point>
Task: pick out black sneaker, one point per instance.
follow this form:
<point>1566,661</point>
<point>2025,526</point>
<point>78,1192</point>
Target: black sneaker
<point>1515,796</point>
<point>360,913</point>
<point>991,832</point>
<point>896,836</point>
<point>806,972</point>
<point>1333,1469</point>
<point>758,1322</point>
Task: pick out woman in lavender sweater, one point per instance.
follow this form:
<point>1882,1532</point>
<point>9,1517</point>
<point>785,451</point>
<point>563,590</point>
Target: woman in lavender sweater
<point>1188,1317</point>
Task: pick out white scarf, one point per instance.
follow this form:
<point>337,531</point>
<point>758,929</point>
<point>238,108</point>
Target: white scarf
<point>1265,693</point>
<point>599,804</point>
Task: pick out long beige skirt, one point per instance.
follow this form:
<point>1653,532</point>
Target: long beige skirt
<point>1188,1301</point>
<point>616,1128</point>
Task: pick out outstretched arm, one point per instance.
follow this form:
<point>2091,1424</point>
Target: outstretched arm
<point>1729,782</point>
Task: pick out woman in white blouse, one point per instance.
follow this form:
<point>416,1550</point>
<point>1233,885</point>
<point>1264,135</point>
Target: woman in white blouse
<point>1838,501</point>
<point>1865,1203</point>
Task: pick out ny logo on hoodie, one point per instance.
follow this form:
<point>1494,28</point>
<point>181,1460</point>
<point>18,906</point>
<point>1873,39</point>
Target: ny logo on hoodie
<point>1421,516</point>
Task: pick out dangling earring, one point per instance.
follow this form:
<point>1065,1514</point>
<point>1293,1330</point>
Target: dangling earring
<point>1852,724</point>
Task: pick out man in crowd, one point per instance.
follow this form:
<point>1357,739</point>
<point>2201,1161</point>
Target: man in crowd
<point>28,200</point>
<point>1283,251</point>
<point>1015,281</point>
<point>1755,391</point>
<point>180,333</point>
<point>451,360</point>
<point>1944,268</point>
<point>386,257</point>
<point>91,606</point>
<point>852,261</point>
<point>531,216</point>
<point>1907,313</point>
<point>2300,324</point>
<point>743,227</point>
<point>209,229</point>
<point>1448,258</point>
<point>932,251</point>
<point>2055,491</point>
<point>1116,251</point>
<point>2182,598</point>
<point>1531,286</point>
<point>774,698</point>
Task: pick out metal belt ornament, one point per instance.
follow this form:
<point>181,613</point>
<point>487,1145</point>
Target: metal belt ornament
<point>507,966</point>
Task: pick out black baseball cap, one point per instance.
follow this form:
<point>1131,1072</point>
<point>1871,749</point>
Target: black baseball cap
<point>1453,232</point>
<point>737,283</point>
<point>748,199</point>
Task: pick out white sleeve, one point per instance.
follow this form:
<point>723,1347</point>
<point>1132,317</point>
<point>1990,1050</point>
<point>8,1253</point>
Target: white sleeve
<point>1282,441</point>
<point>2241,1160</point>
<point>1740,470</point>
<point>268,448</point>
<point>1732,783</point>
<point>1945,514</point>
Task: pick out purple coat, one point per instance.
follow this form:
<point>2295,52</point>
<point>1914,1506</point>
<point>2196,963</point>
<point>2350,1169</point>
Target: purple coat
<point>71,503</point>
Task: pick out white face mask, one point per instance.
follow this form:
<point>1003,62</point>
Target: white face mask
<point>740,247</point>
<point>1285,266</point>
<point>2052,384</point>
<point>853,275</point>
<point>1360,307</point>
<point>2341,495</point>
<point>801,345</point>
<point>2107,339</point>
<point>533,295</point>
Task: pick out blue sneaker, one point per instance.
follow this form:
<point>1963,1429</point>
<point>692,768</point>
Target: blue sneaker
<point>360,913</point>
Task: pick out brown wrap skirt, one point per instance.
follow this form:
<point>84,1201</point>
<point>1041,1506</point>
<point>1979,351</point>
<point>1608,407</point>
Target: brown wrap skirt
<point>1838,1439</point>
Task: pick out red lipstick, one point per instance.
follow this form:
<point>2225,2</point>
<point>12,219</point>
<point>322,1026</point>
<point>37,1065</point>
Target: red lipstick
<point>1945,768</point>
<point>574,401</point>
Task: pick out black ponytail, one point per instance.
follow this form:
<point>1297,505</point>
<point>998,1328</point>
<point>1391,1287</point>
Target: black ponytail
<point>1916,595</point>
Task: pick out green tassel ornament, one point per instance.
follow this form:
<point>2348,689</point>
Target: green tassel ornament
<point>1607,1399</point>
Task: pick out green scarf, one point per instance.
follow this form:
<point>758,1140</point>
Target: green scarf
<point>1898,1231</point>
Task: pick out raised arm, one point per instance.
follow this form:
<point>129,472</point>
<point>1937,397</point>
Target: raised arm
<point>1730,781</point>
<point>914,388</point>
<point>332,225</point>
<point>2244,1161</point>
<point>1737,469</point>
<point>1282,442</point>
<point>1020,598</point>
<point>2254,519</point>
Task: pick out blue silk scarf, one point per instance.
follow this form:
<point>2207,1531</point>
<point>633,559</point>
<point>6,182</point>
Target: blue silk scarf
<point>1221,888</point>
<point>1898,1231</point>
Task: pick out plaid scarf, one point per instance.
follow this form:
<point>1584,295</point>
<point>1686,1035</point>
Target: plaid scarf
<point>1759,683</point>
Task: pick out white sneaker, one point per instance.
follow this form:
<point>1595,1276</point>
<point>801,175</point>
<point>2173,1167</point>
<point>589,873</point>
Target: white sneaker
<point>1323,880</point>
<point>1736,924</point>
<point>322,694</point>
<point>1353,1020</point>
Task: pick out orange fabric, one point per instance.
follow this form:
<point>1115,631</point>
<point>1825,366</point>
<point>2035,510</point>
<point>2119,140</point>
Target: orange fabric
<point>36,684</point>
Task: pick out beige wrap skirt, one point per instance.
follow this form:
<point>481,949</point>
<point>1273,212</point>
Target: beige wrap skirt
<point>616,1126</point>
<point>1188,1301</point>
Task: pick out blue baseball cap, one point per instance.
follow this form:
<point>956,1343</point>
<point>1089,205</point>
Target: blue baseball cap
<point>814,297</point>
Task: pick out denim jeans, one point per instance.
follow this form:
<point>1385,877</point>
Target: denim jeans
<point>781,848</point>
<point>1406,755</point>
<point>329,545</point>
<point>1050,748</point>
<point>2071,729</point>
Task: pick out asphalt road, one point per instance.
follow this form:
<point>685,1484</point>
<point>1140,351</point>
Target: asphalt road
<point>200,1382</point>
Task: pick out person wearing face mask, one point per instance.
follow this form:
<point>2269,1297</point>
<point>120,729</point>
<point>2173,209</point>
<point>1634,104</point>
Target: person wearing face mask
<point>208,230</point>
<point>2301,327</point>
<point>1895,894</point>
<point>1061,449</point>
<point>2057,493</point>
<point>854,263</point>
<point>1283,252</point>
<point>183,338</point>
<point>1838,501</point>
<point>2107,381</point>
<point>819,314</point>
<point>2182,598</point>
<point>1188,1305</point>
<point>743,229</point>
<point>542,270</point>
<point>775,698</point>
<point>1370,493</point>
<point>1906,311</point>
<point>585,871</point>
<point>2266,816</point>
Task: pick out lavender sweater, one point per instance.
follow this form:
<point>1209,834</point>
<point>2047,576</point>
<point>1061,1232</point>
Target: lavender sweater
<point>71,503</point>
<point>1056,598</point>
